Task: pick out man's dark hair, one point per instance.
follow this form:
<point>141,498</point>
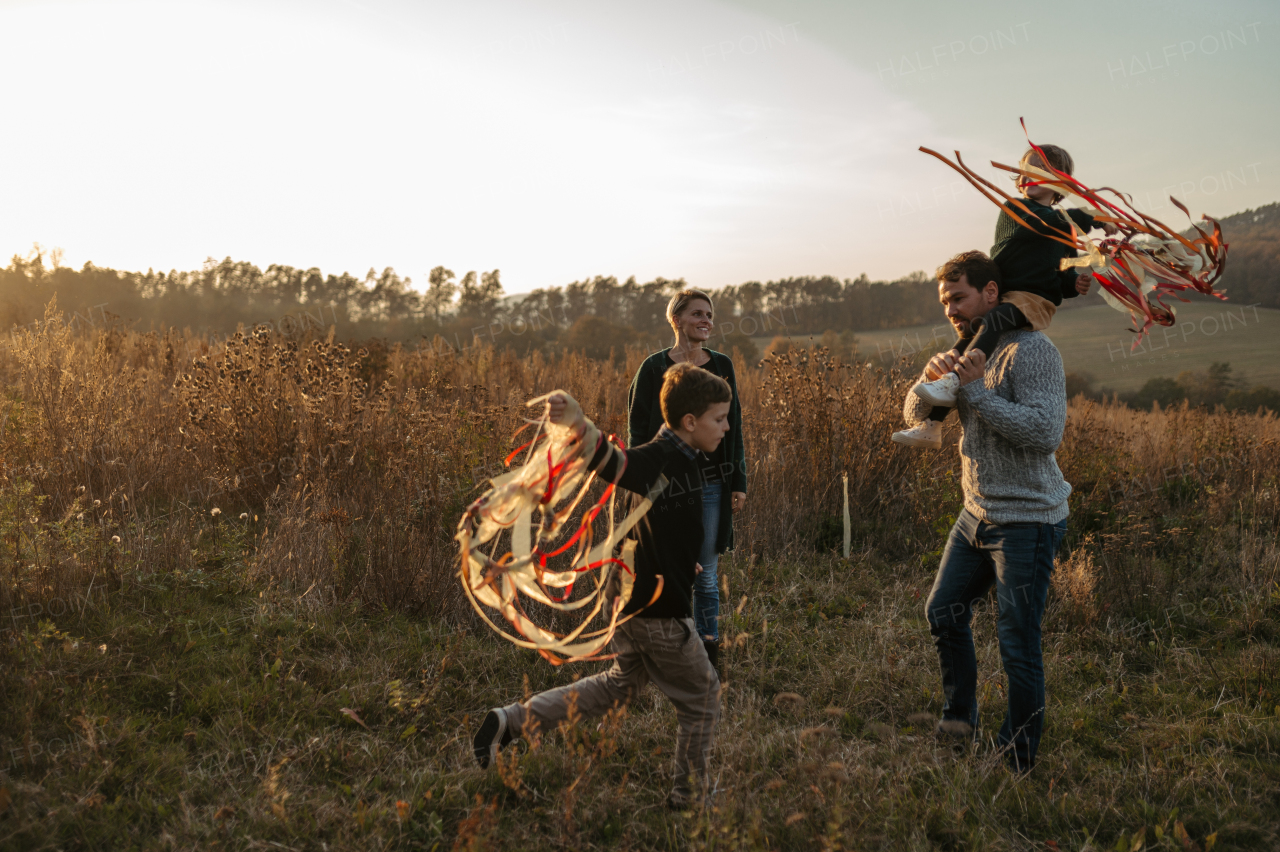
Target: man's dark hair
<point>687,389</point>
<point>975,266</point>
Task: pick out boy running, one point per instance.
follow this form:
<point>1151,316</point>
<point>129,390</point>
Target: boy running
<point>661,643</point>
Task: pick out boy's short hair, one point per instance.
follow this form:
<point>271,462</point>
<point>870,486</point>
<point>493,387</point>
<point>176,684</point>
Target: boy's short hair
<point>687,389</point>
<point>1058,158</point>
<point>974,265</point>
<point>681,300</point>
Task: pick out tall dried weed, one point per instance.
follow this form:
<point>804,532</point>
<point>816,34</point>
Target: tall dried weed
<point>352,467</point>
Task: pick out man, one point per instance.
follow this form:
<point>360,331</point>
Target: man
<point>1012,410</point>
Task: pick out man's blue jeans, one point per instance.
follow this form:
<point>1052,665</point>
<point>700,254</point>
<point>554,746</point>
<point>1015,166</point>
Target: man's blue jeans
<point>1018,560</point>
<point>706,592</point>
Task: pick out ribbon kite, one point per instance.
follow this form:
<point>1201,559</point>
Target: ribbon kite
<point>1144,263</point>
<point>534,505</point>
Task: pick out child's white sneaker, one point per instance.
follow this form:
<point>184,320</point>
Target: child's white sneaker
<point>939,391</point>
<point>928,434</point>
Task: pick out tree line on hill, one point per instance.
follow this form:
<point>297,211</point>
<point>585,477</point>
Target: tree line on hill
<point>596,315</point>
<point>592,315</point>
<point>1253,258</point>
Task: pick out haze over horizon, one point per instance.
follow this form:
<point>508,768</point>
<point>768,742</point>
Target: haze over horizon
<point>558,139</point>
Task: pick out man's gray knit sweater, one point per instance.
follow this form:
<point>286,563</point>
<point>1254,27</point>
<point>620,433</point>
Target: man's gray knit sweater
<point>1012,421</point>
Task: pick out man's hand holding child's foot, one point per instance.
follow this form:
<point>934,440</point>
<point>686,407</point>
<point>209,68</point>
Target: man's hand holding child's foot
<point>941,364</point>
<point>941,388</point>
<point>971,367</point>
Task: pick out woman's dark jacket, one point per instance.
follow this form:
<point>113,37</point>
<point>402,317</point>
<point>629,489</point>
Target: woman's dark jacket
<point>730,459</point>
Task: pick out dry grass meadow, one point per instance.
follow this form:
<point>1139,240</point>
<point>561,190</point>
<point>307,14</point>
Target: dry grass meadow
<point>211,551</point>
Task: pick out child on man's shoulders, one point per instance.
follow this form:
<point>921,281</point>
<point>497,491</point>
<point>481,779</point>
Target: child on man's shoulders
<point>1032,284</point>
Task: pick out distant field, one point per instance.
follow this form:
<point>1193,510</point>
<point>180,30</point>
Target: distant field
<point>1095,340</point>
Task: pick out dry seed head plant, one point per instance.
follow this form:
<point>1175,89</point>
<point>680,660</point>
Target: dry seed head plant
<point>316,484</point>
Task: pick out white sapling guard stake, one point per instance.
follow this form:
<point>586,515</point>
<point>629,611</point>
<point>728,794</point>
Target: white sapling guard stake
<point>530,507</point>
<point>848,533</point>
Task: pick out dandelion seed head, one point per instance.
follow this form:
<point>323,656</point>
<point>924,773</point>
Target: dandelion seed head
<point>923,721</point>
<point>817,731</point>
<point>788,700</point>
<point>244,516</point>
<point>115,539</point>
<point>215,512</point>
<point>97,503</point>
<point>878,730</point>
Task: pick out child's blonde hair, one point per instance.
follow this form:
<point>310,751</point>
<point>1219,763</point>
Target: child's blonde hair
<point>1058,158</point>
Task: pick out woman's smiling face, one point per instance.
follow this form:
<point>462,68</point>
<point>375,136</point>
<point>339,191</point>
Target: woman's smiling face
<point>695,322</point>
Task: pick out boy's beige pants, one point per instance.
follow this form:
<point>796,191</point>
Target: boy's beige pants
<point>667,651</point>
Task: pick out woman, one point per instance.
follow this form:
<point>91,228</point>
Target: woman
<point>689,313</point>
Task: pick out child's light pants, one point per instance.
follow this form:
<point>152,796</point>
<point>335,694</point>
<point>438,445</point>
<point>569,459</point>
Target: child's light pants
<point>667,651</point>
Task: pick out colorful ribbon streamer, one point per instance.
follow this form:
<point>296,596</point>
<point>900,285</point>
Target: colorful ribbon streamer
<point>1145,262</point>
<point>532,505</point>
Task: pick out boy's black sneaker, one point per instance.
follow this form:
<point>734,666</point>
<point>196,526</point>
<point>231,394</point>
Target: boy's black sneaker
<point>686,800</point>
<point>492,737</point>
<point>680,801</point>
<point>713,652</point>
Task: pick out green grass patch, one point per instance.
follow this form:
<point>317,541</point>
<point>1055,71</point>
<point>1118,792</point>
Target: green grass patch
<point>195,710</point>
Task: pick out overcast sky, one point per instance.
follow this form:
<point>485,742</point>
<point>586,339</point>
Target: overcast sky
<point>559,139</point>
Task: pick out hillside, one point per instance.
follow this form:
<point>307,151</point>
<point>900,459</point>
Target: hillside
<point>1094,340</point>
<point>1253,256</point>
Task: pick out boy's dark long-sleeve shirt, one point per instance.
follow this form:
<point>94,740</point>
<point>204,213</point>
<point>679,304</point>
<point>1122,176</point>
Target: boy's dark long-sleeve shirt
<point>1029,259</point>
<point>670,534</point>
